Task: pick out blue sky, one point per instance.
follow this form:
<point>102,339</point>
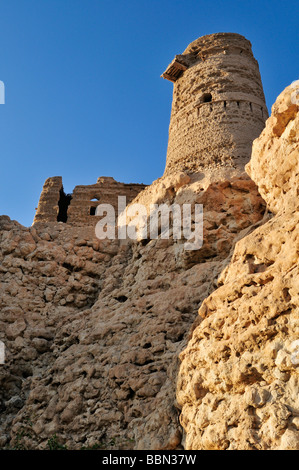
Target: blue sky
<point>83,93</point>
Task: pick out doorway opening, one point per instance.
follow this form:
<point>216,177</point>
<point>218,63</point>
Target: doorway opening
<point>63,204</point>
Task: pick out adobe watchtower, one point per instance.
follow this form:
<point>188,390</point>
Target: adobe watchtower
<point>218,106</point>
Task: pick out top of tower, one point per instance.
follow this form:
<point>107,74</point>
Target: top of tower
<point>218,105</point>
<point>203,47</point>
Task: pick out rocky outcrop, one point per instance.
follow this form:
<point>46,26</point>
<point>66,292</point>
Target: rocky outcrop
<point>103,344</point>
<point>238,380</point>
<point>274,165</point>
<point>93,328</point>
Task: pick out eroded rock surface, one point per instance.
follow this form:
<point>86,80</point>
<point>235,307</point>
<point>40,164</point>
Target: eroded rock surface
<point>274,165</point>
<point>93,329</point>
<point>238,380</point>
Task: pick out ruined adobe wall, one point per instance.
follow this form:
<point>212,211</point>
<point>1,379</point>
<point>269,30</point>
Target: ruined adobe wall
<point>47,209</point>
<point>218,104</point>
<point>106,191</point>
<point>79,207</point>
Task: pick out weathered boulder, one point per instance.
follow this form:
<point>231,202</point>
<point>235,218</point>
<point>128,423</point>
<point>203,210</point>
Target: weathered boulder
<point>239,377</point>
<point>93,328</point>
<point>274,165</point>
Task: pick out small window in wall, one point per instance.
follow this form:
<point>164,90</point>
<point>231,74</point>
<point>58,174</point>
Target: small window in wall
<point>94,199</point>
<point>206,98</point>
<point>92,211</point>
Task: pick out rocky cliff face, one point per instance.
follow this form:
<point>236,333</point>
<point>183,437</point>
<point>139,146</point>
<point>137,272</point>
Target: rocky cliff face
<point>97,333</point>
<point>238,380</point>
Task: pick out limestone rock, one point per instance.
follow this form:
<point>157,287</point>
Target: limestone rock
<point>93,328</point>
<point>274,165</point>
<point>238,379</point>
<point>99,333</point>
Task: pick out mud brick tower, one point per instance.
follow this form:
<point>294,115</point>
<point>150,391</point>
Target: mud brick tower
<point>218,106</point>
